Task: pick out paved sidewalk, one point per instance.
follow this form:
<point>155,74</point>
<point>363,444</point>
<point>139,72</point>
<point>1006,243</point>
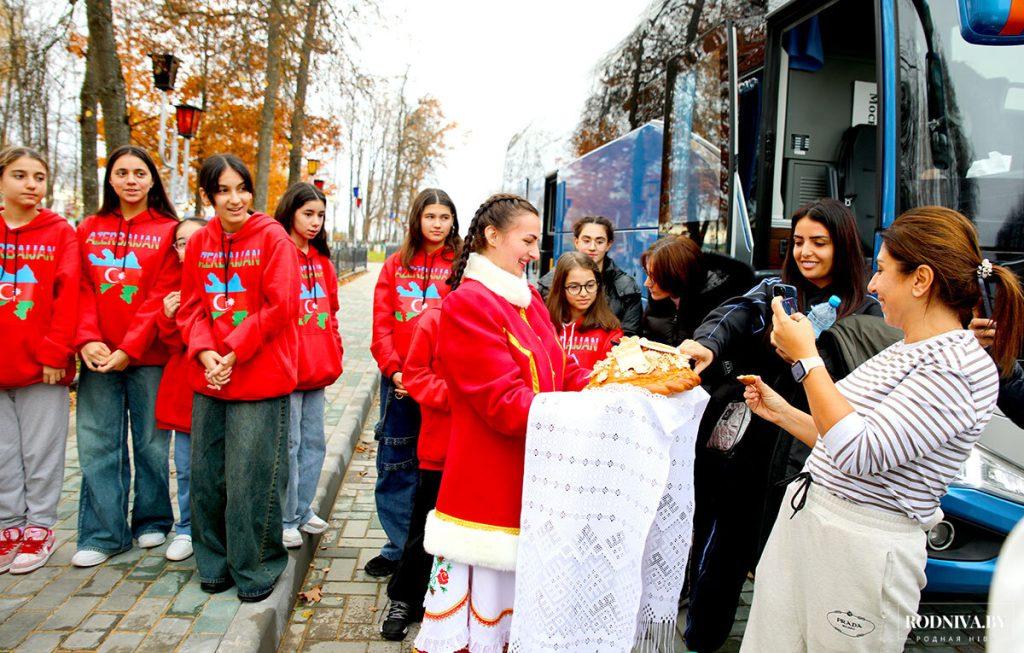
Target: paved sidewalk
<point>347,617</point>
<point>139,600</point>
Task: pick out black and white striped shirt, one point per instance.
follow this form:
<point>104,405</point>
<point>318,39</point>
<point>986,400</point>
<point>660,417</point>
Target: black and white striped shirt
<point>918,409</point>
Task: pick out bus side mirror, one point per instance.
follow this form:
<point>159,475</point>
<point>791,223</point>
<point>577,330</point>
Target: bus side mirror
<point>991,22</point>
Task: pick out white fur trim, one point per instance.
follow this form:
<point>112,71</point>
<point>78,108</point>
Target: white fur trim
<point>471,546</point>
<point>516,290</point>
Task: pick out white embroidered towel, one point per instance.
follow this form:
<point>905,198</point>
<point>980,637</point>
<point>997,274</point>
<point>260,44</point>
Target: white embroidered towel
<point>607,519</point>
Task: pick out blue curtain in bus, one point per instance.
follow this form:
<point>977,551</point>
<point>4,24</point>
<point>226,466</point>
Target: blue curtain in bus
<point>804,47</point>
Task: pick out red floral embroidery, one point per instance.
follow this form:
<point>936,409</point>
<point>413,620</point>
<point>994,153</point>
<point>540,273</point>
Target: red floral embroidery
<point>442,577</point>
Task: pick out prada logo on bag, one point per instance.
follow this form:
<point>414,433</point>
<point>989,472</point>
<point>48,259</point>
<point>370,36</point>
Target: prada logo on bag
<point>850,624</point>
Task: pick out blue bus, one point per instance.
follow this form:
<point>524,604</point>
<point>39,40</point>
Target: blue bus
<point>886,105</point>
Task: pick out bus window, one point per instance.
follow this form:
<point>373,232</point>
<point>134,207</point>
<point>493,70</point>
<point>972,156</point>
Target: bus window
<point>962,125</point>
<point>695,182</point>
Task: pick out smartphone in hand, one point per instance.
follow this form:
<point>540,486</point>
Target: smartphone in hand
<point>789,295</point>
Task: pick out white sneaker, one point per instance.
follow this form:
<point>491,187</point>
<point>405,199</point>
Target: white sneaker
<point>292,538</point>
<point>89,558</point>
<point>151,540</point>
<point>180,548</point>
<point>315,526</point>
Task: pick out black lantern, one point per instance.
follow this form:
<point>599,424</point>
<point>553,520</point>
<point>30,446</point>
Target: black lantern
<point>188,119</point>
<point>165,70</point>
<point>312,165</point>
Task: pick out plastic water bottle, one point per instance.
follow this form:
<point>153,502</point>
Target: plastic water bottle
<point>823,316</point>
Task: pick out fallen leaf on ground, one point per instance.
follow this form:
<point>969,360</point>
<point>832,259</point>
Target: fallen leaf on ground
<point>312,595</point>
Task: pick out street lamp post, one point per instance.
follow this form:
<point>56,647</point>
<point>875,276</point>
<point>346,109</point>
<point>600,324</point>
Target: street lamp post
<point>187,118</point>
<point>165,72</point>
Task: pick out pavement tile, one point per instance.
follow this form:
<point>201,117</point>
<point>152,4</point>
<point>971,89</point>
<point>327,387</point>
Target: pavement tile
<point>144,614</point>
<point>189,601</point>
<point>215,617</point>
<point>40,643</point>
<point>170,583</point>
<point>123,597</point>
<point>71,613</point>
<point>165,635</point>
<point>324,624</point>
<point>121,643</point>
<point>101,582</point>
<point>17,626</point>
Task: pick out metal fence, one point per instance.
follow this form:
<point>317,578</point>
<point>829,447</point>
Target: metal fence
<point>348,258</point>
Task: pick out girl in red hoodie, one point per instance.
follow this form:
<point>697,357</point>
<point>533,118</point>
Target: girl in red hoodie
<point>423,379</point>
<point>301,212</point>
<point>412,280</point>
<point>239,316</point>
<point>174,398</point>
<point>586,325</point>
<point>126,253</point>
<point>38,311</point>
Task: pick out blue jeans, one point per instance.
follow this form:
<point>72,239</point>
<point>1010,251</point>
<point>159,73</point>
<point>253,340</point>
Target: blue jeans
<point>307,448</point>
<point>183,466</point>
<point>240,460</point>
<point>107,405</point>
<point>397,473</point>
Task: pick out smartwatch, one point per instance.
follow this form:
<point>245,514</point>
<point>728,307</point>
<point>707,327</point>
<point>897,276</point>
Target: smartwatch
<point>803,367</point>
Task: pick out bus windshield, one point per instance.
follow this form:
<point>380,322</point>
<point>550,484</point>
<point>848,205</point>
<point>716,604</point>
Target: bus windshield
<point>961,123</point>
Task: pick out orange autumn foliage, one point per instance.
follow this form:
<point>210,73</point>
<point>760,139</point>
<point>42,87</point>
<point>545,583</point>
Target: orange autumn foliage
<point>225,46</point>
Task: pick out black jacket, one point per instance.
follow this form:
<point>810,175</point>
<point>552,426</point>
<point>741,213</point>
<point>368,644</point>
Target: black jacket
<point>1011,395</point>
<point>620,289</point>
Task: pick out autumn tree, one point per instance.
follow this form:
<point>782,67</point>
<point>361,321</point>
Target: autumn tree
<point>629,88</point>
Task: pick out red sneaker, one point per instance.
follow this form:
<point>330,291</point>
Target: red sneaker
<point>36,549</point>
<point>10,542</point>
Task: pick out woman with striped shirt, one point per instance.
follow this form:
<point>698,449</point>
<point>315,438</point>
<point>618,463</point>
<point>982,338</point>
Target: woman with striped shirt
<point>844,566</point>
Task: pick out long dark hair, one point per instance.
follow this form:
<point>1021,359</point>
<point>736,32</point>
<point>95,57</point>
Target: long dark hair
<point>947,242</point>
<point>214,166</point>
<point>849,271</point>
<point>295,198</point>
<point>414,236</point>
<point>497,211</point>
<point>599,315</point>
<point>156,200</point>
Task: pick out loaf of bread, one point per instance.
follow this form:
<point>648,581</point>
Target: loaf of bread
<point>651,365</point>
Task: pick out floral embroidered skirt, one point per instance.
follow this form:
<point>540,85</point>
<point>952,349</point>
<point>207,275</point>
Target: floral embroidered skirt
<point>466,608</point>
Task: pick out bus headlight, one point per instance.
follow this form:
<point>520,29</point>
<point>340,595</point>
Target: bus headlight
<point>985,471</point>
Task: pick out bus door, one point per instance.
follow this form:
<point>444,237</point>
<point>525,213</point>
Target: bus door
<point>712,121</point>
<point>552,211</point>
<point>822,117</point>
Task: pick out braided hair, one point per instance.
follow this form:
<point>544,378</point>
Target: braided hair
<point>497,211</point>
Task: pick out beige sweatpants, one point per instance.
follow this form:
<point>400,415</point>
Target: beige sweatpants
<point>836,577</point>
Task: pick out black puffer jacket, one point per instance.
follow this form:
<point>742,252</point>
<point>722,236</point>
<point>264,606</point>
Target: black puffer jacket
<point>1011,395</point>
<point>621,291</point>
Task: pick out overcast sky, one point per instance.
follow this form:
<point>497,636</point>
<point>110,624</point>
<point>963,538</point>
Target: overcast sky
<point>495,67</point>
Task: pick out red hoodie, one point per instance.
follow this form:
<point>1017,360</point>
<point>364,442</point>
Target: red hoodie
<point>320,349</point>
<point>421,376</point>
<point>174,397</point>
<point>238,295</point>
<point>38,299</point>
<point>401,296</point>
<point>589,346</point>
<point>123,284</point>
